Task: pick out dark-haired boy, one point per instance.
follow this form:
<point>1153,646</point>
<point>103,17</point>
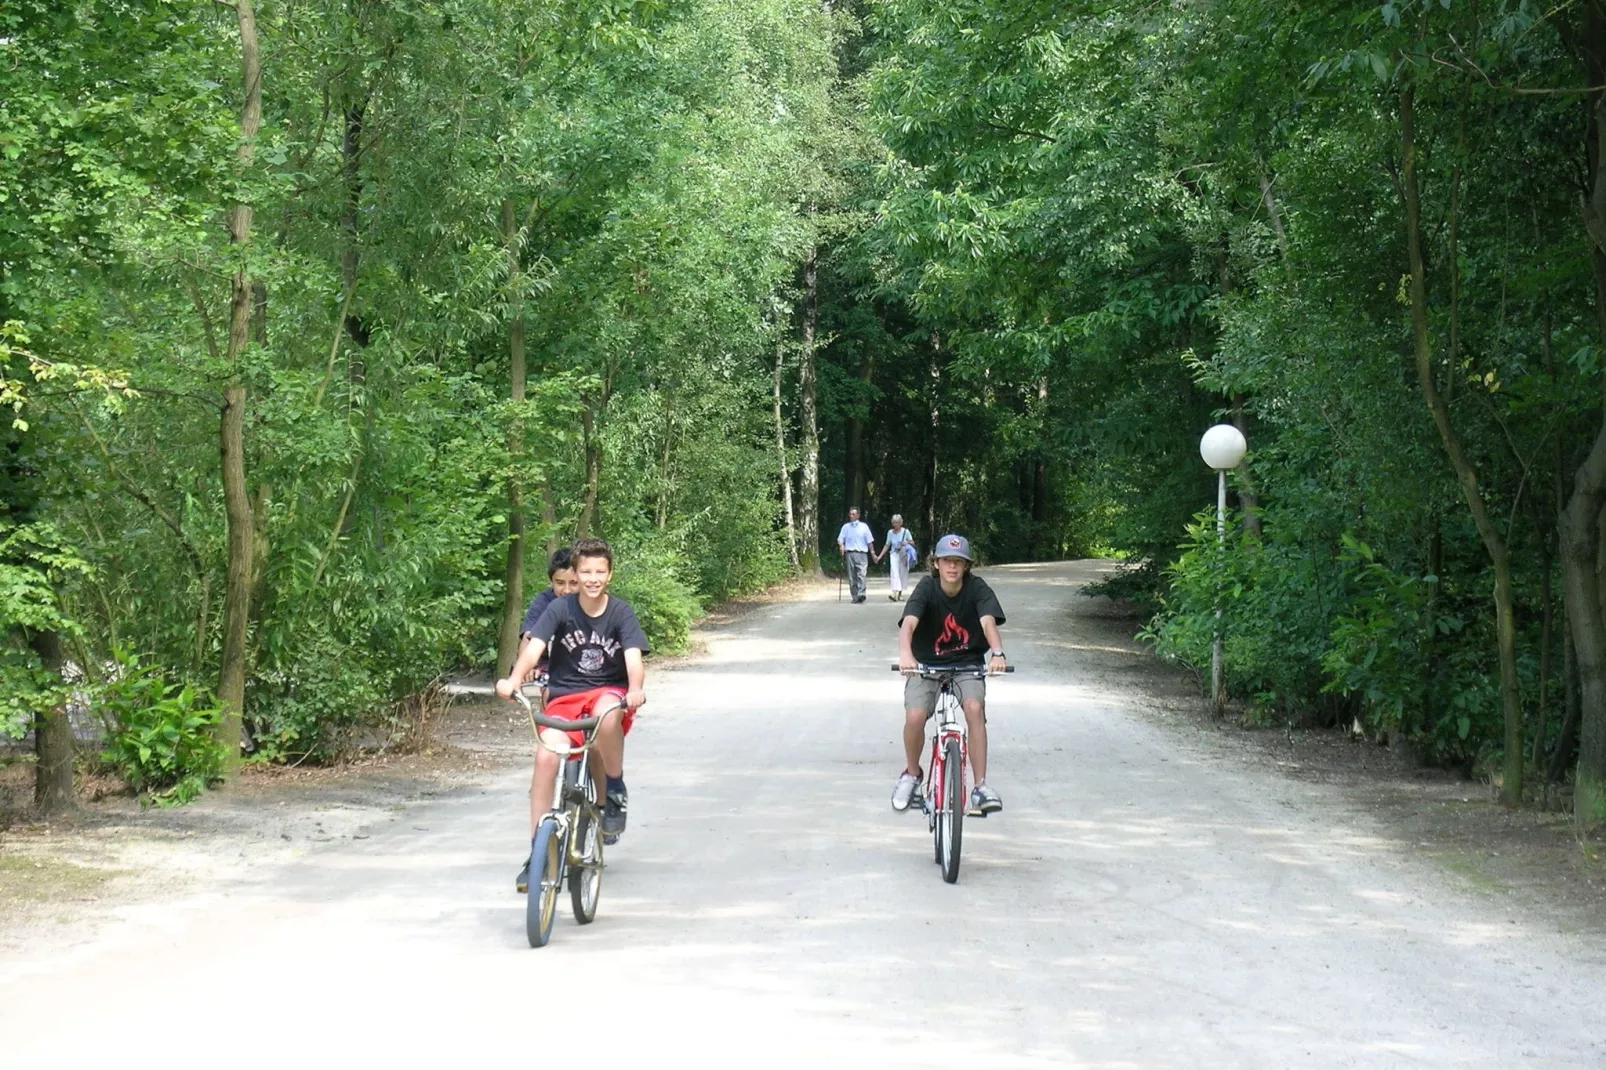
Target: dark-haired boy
<point>596,668</point>
<point>561,582</point>
<point>950,621</point>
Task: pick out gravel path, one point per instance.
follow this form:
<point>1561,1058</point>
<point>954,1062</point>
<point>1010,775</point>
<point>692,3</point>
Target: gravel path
<point>1140,902</point>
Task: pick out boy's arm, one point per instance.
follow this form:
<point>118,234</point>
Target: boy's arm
<point>906,648</point>
<point>528,658</point>
<point>989,628</point>
<point>636,674</point>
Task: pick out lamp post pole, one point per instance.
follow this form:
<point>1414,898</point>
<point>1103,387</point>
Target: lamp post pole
<point>1218,690</point>
<point>1223,448</point>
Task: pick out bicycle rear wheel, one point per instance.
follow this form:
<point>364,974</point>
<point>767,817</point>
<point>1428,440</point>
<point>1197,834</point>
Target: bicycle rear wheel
<point>585,878</point>
<point>953,805</point>
<point>546,865</point>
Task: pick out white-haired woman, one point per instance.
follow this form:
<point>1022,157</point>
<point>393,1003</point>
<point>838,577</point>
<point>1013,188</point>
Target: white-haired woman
<point>900,545</point>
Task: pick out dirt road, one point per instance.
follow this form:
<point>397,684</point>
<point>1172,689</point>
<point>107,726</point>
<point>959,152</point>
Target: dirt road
<point>1138,903</point>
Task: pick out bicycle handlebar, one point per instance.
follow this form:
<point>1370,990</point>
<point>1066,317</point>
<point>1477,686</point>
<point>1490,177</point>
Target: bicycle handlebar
<point>584,724</point>
<point>950,670</point>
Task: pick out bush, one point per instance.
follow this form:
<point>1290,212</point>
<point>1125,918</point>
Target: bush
<point>645,576</point>
<point>316,705</point>
<point>160,735</point>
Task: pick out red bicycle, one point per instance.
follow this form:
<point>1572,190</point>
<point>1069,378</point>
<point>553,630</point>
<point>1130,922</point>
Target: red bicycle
<point>944,794</point>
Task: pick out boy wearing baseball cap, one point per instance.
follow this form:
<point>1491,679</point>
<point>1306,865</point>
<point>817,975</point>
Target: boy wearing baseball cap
<point>951,621</point>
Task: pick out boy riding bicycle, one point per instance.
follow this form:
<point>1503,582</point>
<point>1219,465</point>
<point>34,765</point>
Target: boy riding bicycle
<point>951,621</point>
<point>596,669</point>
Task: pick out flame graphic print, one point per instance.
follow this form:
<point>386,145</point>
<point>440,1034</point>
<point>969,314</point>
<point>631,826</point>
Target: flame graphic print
<point>952,640</point>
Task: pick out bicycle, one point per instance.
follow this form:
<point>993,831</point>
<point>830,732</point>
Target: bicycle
<point>568,841</point>
<point>943,795</point>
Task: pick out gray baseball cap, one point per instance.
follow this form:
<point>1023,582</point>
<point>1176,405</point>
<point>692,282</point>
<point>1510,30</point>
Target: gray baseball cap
<point>953,546</point>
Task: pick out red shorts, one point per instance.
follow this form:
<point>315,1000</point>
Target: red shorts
<point>584,704</point>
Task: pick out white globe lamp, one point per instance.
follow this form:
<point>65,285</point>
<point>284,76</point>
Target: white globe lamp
<point>1223,447</point>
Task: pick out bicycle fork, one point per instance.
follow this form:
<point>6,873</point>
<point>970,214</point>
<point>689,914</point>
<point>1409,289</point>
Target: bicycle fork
<point>937,766</point>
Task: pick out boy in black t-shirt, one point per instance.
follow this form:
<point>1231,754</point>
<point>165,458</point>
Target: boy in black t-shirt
<point>597,647</point>
<point>950,621</point>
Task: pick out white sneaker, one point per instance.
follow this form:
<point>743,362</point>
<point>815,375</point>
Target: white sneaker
<point>904,791</point>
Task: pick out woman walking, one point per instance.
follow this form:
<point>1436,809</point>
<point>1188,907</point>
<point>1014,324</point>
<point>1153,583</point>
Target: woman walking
<point>899,544</point>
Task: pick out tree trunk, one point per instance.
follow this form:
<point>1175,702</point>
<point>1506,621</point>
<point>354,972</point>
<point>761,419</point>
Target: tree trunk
<point>1466,475</point>
<point>351,178</point>
<point>1567,738</point>
<point>1547,619</point>
<point>808,534</point>
<point>549,517</point>
<point>589,521</point>
<point>785,468</point>
<point>1580,519</point>
<point>1580,547</point>
<point>1039,492</point>
<point>507,646</point>
<point>52,739</point>
<point>1274,213</point>
<point>1244,477</point>
<point>231,438</point>
<point>853,484</point>
<point>928,497</point>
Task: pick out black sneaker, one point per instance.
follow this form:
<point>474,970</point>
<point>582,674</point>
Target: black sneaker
<point>522,881</point>
<point>613,815</point>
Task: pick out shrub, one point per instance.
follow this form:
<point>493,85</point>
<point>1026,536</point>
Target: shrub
<point>160,735</point>
<point>646,577</point>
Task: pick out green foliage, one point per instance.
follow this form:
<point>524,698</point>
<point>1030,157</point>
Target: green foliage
<point>160,736</point>
<point>646,576</point>
<point>34,562</point>
<point>1158,228</point>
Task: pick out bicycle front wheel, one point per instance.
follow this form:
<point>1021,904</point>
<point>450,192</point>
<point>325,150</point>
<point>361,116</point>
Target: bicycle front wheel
<point>585,876</point>
<point>546,858</point>
<point>953,805</point>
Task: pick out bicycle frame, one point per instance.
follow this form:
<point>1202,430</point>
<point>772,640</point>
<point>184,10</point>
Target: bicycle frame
<point>949,721</point>
<point>574,788</point>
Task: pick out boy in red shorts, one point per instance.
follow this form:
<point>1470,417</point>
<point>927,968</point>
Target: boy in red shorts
<point>596,667</point>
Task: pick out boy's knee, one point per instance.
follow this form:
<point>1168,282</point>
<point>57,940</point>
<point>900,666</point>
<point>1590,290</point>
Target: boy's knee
<point>916,718</point>
<point>975,710</point>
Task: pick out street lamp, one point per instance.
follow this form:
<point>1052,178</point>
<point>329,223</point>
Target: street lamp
<point>1223,448</point>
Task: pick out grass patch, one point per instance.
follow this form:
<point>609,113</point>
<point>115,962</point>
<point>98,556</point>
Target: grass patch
<point>44,880</point>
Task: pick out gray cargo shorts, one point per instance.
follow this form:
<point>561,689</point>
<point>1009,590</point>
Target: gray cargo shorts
<point>919,693</point>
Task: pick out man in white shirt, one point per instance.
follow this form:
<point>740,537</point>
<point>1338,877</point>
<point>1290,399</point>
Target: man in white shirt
<point>855,540</point>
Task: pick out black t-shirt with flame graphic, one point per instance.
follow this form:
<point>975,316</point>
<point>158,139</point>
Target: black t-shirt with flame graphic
<point>948,631</point>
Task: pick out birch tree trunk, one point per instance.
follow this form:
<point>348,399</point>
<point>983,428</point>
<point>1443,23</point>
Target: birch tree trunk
<point>808,534</point>
<point>785,468</point>
<point>507,644</point>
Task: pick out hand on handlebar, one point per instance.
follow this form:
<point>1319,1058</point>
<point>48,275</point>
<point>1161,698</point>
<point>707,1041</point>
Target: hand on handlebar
<point>635,699</point>
<point>908,665</point>
<point>997,665</point>
<point>506,687</point>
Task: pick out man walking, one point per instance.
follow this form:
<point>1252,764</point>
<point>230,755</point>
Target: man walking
<point>855,540</point>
